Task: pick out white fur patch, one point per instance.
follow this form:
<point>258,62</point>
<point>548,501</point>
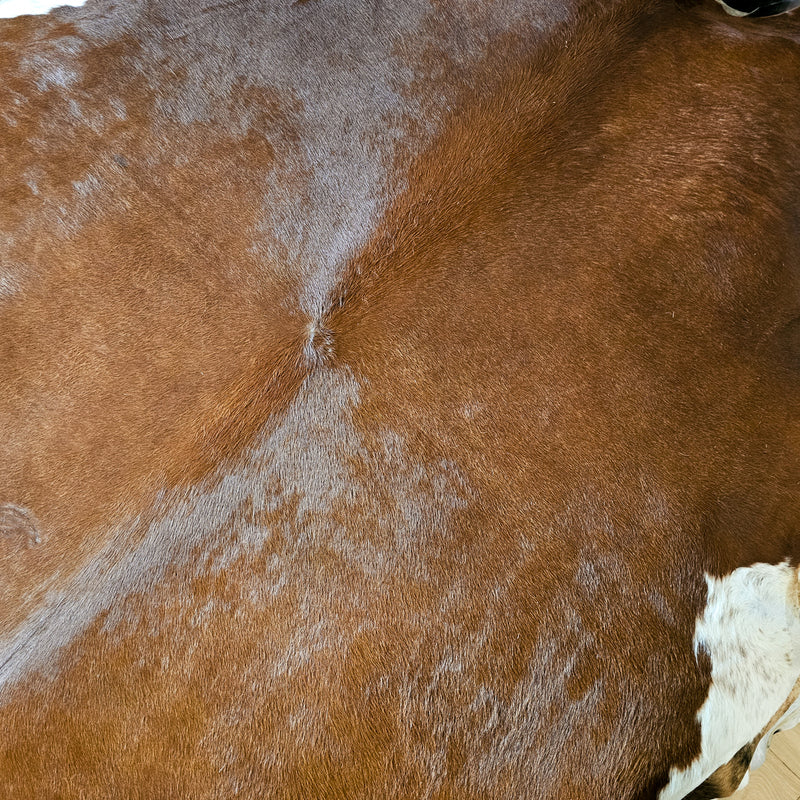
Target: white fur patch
<point>751,631</point>
<point>18,8</point>
<point>732,11</point>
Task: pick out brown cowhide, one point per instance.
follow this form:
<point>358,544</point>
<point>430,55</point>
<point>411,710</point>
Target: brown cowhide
<point>379,385</point>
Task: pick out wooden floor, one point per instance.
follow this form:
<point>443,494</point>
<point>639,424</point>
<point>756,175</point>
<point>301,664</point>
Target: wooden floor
<point>779,778</point>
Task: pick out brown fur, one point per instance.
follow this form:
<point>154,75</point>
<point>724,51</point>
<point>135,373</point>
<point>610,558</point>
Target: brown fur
<point>557,386</point>
<point>725,780</point>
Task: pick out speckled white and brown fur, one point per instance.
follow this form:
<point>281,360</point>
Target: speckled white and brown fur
<point>395,397</point>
